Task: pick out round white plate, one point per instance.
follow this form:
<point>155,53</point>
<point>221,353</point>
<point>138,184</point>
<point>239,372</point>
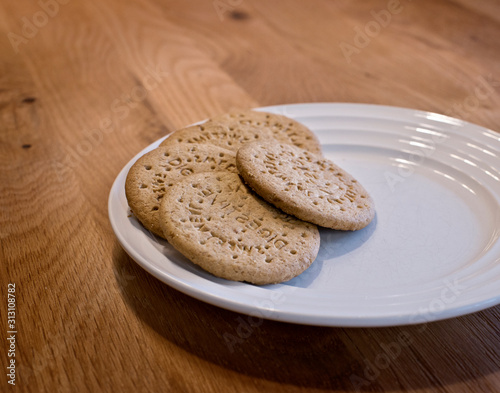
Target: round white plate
<point>432,252</point>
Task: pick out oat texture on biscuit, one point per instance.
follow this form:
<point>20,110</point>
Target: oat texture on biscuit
<point>306,185</point>
<point>234,129</point>
<point>283,128</point>
<point>156,171</point>
<point>218,223</point>
<point>228,136</point>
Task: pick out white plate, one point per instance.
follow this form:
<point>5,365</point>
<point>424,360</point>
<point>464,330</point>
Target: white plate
<point>432,252</point>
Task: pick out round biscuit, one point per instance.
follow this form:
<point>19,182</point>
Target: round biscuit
<point>218,223</point>
<point>233,130</point>
<point>305,185</point>
<point>283,128</point>
<point>153,173</point>
<point>227,136</point>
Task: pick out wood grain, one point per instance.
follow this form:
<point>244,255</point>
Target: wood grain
<point>95,82</point>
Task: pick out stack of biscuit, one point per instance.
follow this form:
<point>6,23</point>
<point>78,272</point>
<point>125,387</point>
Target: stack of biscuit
<point>241,195</point>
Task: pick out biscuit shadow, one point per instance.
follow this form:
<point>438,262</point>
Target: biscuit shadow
<point>301,355</point>
<point>338,243</point>
<point>333,244</point>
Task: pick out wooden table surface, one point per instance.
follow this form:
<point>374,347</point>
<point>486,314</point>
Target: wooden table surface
<point>85,85</point>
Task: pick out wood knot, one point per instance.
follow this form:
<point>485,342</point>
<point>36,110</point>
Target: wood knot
<point>239,15</point>
<point>29,100</point>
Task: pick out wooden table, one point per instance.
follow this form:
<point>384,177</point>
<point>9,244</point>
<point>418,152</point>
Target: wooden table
<point>85,85</point>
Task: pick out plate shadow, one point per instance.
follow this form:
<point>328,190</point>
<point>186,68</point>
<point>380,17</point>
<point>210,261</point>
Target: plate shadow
<point>350,359</point>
